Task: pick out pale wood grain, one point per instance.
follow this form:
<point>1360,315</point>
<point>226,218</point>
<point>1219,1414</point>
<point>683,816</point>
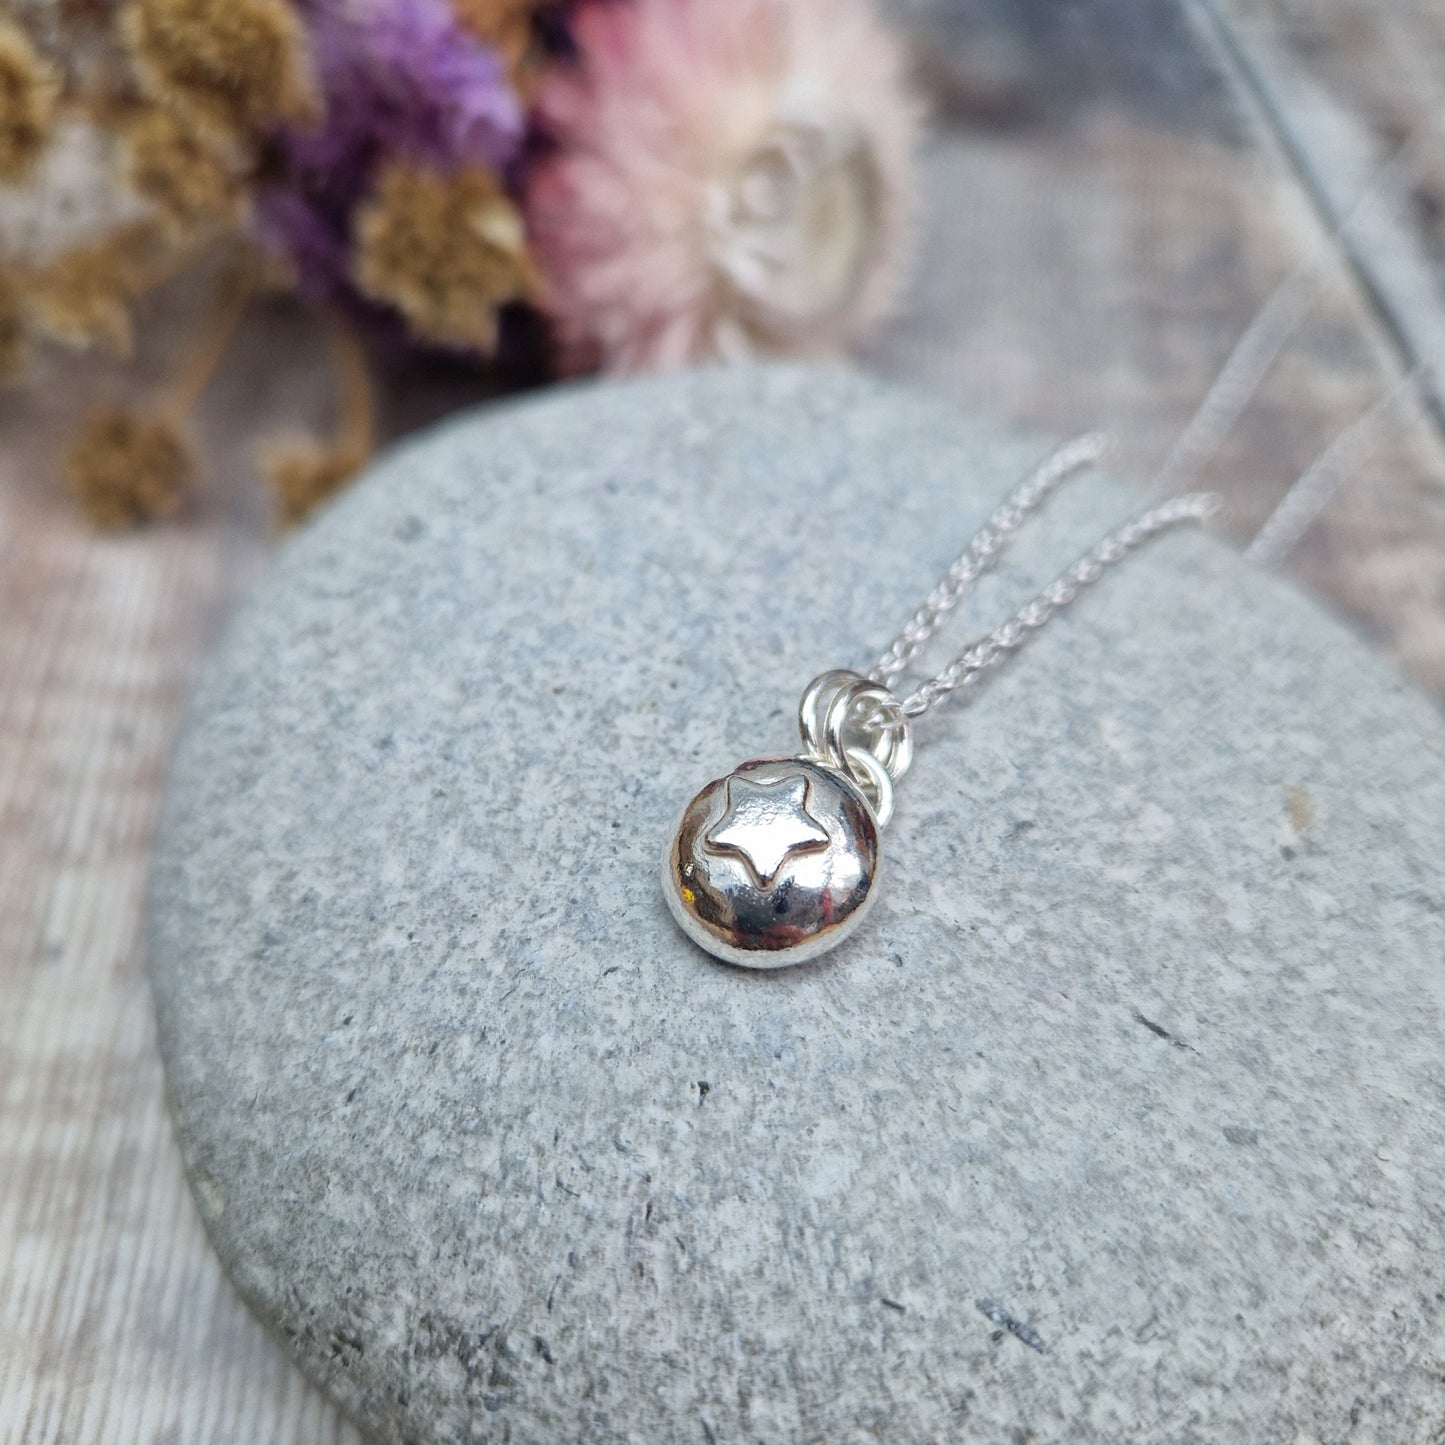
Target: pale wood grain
<point>1105,221</point>
<point>1357,94</point>
<point>116,1323</point>
<point>1095,268</point>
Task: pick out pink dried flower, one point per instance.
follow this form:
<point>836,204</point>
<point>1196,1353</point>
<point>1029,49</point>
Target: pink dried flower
<point>731,178</point>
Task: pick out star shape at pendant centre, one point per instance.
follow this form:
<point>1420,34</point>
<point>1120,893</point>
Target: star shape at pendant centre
<point>765,824</point>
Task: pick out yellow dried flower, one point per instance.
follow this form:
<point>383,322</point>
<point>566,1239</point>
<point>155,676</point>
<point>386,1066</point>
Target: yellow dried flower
<point>306,474</point>
<point>29,94</point>
<point>506,25</point>
<point>12,327</point>
<point>127,469</point>
<point>177,168</point>
<point>445,250</point>
<point>83,296</point>
<point>237,65</point>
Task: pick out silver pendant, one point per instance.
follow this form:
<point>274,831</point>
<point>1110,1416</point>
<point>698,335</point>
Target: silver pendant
<point>779,861</point>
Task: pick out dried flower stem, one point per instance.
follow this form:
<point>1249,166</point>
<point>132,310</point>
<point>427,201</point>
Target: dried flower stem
<point>355,399</point>
<point>194,376</point>
<point>306,474</point>
<point>180,258</point>
<point>127,467</point>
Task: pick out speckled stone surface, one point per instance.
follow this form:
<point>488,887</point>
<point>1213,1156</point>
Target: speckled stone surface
<point>1120,1120</point>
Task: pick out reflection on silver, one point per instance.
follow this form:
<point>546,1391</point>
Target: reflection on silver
<point>774,863</point>
<point>765,823</point>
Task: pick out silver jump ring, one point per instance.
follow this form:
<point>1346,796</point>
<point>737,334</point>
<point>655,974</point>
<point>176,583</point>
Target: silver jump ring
<point>846,719</point>
<point>843,715</point>
<point>874,782</point>
<point>887,722</point>
<point>815,705</point>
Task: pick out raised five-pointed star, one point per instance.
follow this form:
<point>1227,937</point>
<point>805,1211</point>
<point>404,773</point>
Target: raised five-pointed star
<point>765,823</point>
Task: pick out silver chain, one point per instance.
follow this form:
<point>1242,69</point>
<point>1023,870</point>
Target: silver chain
<point>983,550</point>
<point>981,553</point>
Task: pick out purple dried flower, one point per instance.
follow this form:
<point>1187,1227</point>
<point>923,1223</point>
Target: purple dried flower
<point>406,76</point>
<point>441,94</point>
<point>312,236</point>
<point>398,78</point>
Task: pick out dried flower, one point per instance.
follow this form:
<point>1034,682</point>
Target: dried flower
<point>126,469</point>
<point>29,94</point>
<point>182,171</point>
<point>303,475</point>
<point>446,250</point>
<point>505,24</point>
<point>732,178</point>
<point>12,327</point>
<point>83,296</point>
<point>235,65</point>
<point>437,93</point>
<point>398,78</point>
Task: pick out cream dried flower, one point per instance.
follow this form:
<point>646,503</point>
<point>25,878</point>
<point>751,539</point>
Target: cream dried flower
<point>83,296</point>
<point>234,65</point>
<point>29,95</point>
<point>733,178</point>
<point>446,250</point>
<point>186,175</point>
<point>126,469</point>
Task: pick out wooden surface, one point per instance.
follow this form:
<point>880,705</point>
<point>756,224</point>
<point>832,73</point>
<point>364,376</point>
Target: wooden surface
<point>1115,189</point>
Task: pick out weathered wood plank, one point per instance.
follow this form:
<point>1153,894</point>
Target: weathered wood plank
<point>1356,94</point>
<point>116,1324</point>
<point>1091,259</point>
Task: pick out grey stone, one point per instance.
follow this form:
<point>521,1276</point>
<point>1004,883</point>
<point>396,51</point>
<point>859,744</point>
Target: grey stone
<point>1119,1121</point>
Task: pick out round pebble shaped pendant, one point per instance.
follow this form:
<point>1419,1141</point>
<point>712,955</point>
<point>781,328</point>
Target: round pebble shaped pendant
<point>778,861</point>
<point>774,863</point>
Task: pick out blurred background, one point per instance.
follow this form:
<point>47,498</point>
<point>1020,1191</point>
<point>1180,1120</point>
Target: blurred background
<point>1214,227</point>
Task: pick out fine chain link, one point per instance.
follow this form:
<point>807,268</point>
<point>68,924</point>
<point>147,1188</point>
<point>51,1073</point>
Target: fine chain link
<point>1189,507</point>
<point>983,550</point>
